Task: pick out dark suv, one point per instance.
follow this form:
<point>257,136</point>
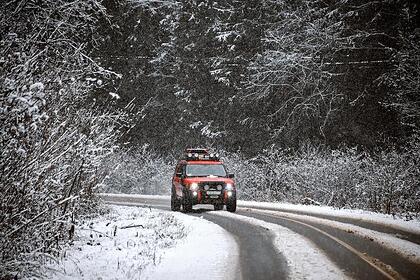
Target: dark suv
<point>201,178</point>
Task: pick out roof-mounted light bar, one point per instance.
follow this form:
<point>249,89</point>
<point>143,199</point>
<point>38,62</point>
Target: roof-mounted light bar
<point>201,156</point>
<point>196,151</point>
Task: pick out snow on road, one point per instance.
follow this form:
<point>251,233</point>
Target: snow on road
<point>305,261</point>
<point>143,243</point>
<point>208,252</point>
<point>361,215</point>
<point>406,249</point>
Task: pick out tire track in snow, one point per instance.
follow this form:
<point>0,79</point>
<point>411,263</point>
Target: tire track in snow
<point>390,228</point>
<point>359,256</point>
<point>304,259</point>
<point>257,256</point>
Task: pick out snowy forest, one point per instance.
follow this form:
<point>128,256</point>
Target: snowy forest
<point>307,101</point>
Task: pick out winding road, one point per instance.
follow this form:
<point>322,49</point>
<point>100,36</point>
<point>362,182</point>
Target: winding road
<point>341,239</point>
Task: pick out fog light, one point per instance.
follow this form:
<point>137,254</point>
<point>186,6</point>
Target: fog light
<point>194,186</point>
<point>229,194</point>
<point>194,193</point>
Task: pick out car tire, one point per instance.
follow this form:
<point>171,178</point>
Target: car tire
<point>175,204</point>
<point>231,205</point>
<point>187,203</point>
<point>218,206</point>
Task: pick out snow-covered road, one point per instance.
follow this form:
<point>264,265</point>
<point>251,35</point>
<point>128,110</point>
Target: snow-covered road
<point>208,252</point>
<point>261,241</point>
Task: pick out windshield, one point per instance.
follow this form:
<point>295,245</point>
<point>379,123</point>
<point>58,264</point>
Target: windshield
<point>204,170</point>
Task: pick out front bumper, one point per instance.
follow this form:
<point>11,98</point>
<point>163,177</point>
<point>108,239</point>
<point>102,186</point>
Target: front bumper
<point>203,197</point>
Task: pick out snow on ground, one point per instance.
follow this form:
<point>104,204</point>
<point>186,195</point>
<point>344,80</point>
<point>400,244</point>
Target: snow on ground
<point>144,243</point>
<point>148,196</point>
<point>405,248</point>
<point>362,215</point>
<point>119,245</point>
<point>305,261</point>
<point>208,252</point>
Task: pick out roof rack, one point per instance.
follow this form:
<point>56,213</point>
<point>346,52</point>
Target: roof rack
<point>196,151</point>
<point>200,154</point>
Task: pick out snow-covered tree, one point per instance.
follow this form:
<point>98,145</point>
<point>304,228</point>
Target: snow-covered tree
<point>53,135</point>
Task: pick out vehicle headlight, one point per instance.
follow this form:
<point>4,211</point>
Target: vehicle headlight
<point>194,186</point>
<point>219,187</point>
<point>229,187</point>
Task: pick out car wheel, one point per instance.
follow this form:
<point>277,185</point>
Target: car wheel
<point>231,205</point>
<point>218,206</point>
<point>186,203</point>
<point>175,205</point>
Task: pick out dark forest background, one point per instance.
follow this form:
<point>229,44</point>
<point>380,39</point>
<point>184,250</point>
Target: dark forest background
<point>246,75</point>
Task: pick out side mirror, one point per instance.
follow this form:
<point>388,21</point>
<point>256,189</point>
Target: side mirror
<point>231,175</point>
<point>179,175</point>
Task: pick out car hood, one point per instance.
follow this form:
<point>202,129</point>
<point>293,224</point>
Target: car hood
<point>190,180</point>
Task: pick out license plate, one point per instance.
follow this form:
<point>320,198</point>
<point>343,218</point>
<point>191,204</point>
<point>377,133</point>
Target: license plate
<point>213,192</point>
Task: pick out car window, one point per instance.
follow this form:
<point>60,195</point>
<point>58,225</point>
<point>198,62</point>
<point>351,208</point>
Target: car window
<point>178,168</point>
<point>204,170</point>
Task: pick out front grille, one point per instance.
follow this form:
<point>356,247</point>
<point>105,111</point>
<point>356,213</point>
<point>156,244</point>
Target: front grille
<point>212,185</point>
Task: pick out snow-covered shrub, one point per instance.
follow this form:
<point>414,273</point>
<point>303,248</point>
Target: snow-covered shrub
<point>250,179</point>
<point>52,138</point>
<point>392,181</point>
<point>328,177</point>
<point>385,181</point>
<point>260,177</point>
<point>139,171</point>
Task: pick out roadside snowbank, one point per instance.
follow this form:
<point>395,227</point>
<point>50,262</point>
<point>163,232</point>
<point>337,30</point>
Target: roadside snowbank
<point>119,245</point>
<point>144,243</point>
<point>305,261</point>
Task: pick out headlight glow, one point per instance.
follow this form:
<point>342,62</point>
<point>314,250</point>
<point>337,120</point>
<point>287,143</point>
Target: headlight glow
<point>194,186</point>
<point>229,187</point>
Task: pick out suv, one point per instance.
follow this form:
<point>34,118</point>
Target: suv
<point>201,178</point>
